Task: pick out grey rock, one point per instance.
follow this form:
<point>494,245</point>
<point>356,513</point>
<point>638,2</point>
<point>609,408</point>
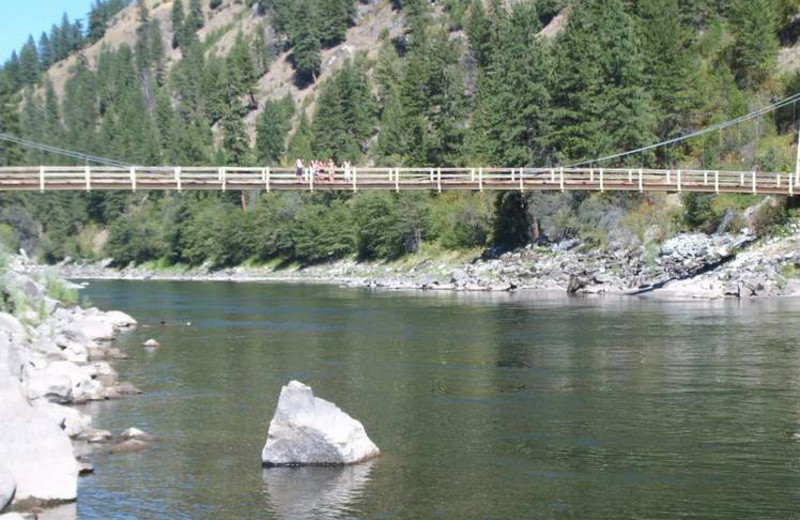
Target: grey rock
<point>129,446</point>
<point>307,430</point>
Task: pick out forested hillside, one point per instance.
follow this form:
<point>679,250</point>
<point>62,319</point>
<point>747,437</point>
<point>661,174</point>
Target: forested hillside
<point>406,82</point>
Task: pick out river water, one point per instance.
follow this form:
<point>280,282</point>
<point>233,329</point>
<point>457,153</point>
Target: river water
<point>485,406</point>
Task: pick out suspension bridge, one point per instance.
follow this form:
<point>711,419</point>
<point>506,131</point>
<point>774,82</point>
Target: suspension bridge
<point>103,174</point>
<point>104,178</point>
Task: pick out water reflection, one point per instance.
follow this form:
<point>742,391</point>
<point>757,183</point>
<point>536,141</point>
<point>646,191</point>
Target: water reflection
<point>314,492</point>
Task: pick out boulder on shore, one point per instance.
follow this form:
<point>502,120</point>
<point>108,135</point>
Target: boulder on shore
<point>308,431</point>
<point>8,487</point>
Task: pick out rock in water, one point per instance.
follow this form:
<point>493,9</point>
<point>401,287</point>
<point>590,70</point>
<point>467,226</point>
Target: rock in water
<point>151,343</point>
<point>307,431</point>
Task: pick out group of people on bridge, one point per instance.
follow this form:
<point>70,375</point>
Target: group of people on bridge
<point>321,171</point>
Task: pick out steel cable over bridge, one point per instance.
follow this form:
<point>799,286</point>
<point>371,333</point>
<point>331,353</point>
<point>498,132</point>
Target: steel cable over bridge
<point>104,178</point>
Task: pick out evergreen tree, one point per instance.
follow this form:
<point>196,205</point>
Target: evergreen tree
<point>46,57</point>
<point>512,116</point>
<point>178,21</point>
<point>12,71</point>
<point>306,40</point>
<point>29,62</point>
<point>235,141</point>
<point>272,130</point>
<point>52,117</point>
<point>757,44</point>
<point>338,15</point>
<point>195,19</point>
<point>242,75</point>
<point>98,16</point>
<point>300,142</point>
<point>600,103</point>
<point>10,154</point>
<point>157,51</point>
<point>215,88</point>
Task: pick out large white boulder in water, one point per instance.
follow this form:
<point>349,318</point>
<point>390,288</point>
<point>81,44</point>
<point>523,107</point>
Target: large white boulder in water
<point>307,430</point>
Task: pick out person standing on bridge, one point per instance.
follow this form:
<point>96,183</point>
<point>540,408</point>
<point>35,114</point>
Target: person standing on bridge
<point>299,169</point>
<point>331,170</point>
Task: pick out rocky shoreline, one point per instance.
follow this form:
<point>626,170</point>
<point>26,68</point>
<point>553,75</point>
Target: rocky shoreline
<point>686,266</point>
<point>54,356</point>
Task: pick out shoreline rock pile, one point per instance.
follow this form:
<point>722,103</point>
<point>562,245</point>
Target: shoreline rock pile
<point>691,264</point>
<point>309,431</point>
<point>52,358</point>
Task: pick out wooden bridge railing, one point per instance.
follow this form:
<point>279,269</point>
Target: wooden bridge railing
<point>55,178</point>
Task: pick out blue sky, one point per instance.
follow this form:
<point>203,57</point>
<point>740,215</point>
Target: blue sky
<point>32,17</point>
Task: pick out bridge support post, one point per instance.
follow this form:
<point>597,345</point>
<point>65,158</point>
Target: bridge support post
<point>741,179</point>
<point>354,176</point>
<point>223,177</point>
<point>680,188</point>
<point>480,180</point>
<point>716,182</point>
<point>397,180</point>
<point>178,178</point>
<point>561,181</point>
<point>797,166</point>
<point>133,179</point>
<point>521,180</point>
<point>432,175</point>
<point>267,179</point>
<point>705,178</point>
<point>630,176</point>
<point>439,179</point>
<point>669,177</point>
<point>41,179</point>
<point>641,180</point>
<point>552,175</point>
<point>88,174</point>
<point>755,189</point>
<point>591,174</point>
<point>602,187</point>
<point>513,176</point>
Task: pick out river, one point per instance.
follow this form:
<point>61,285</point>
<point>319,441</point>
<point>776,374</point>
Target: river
<point>484,406</point>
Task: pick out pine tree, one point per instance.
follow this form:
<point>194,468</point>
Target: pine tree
<point>46,58</point>
<point>10,154</point>
<point>757,44</point>
<point>195,19</point>
<point>178,29</point>
<point>234,139</point>
<point>272,130</point>
<point>98,17</point>
<point>157,51</point>
<point>52,117</point>
<point>600,103</point>
<point>242,75</point>
<point>512,116</point>
<point>29,62</point>
<point>300,142</point>
<point>306,41</point>
<point>12,71</point>
<point>338,15</point>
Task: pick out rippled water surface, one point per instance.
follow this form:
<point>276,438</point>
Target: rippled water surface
<point>485,407</point>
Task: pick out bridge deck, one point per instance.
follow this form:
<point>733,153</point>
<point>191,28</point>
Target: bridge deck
<point>60,178</point>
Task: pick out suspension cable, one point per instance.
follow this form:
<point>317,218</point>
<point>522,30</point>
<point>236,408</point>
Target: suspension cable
<point>714,128</point>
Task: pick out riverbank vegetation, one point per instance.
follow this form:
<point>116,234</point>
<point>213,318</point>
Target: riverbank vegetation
<point>457,82</point>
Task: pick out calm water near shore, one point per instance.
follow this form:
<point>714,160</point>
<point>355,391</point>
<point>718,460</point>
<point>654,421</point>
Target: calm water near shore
<point>485,406</point>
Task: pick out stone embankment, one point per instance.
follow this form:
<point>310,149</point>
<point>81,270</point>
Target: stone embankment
<point>53,356</point>
<point>687,266</point>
